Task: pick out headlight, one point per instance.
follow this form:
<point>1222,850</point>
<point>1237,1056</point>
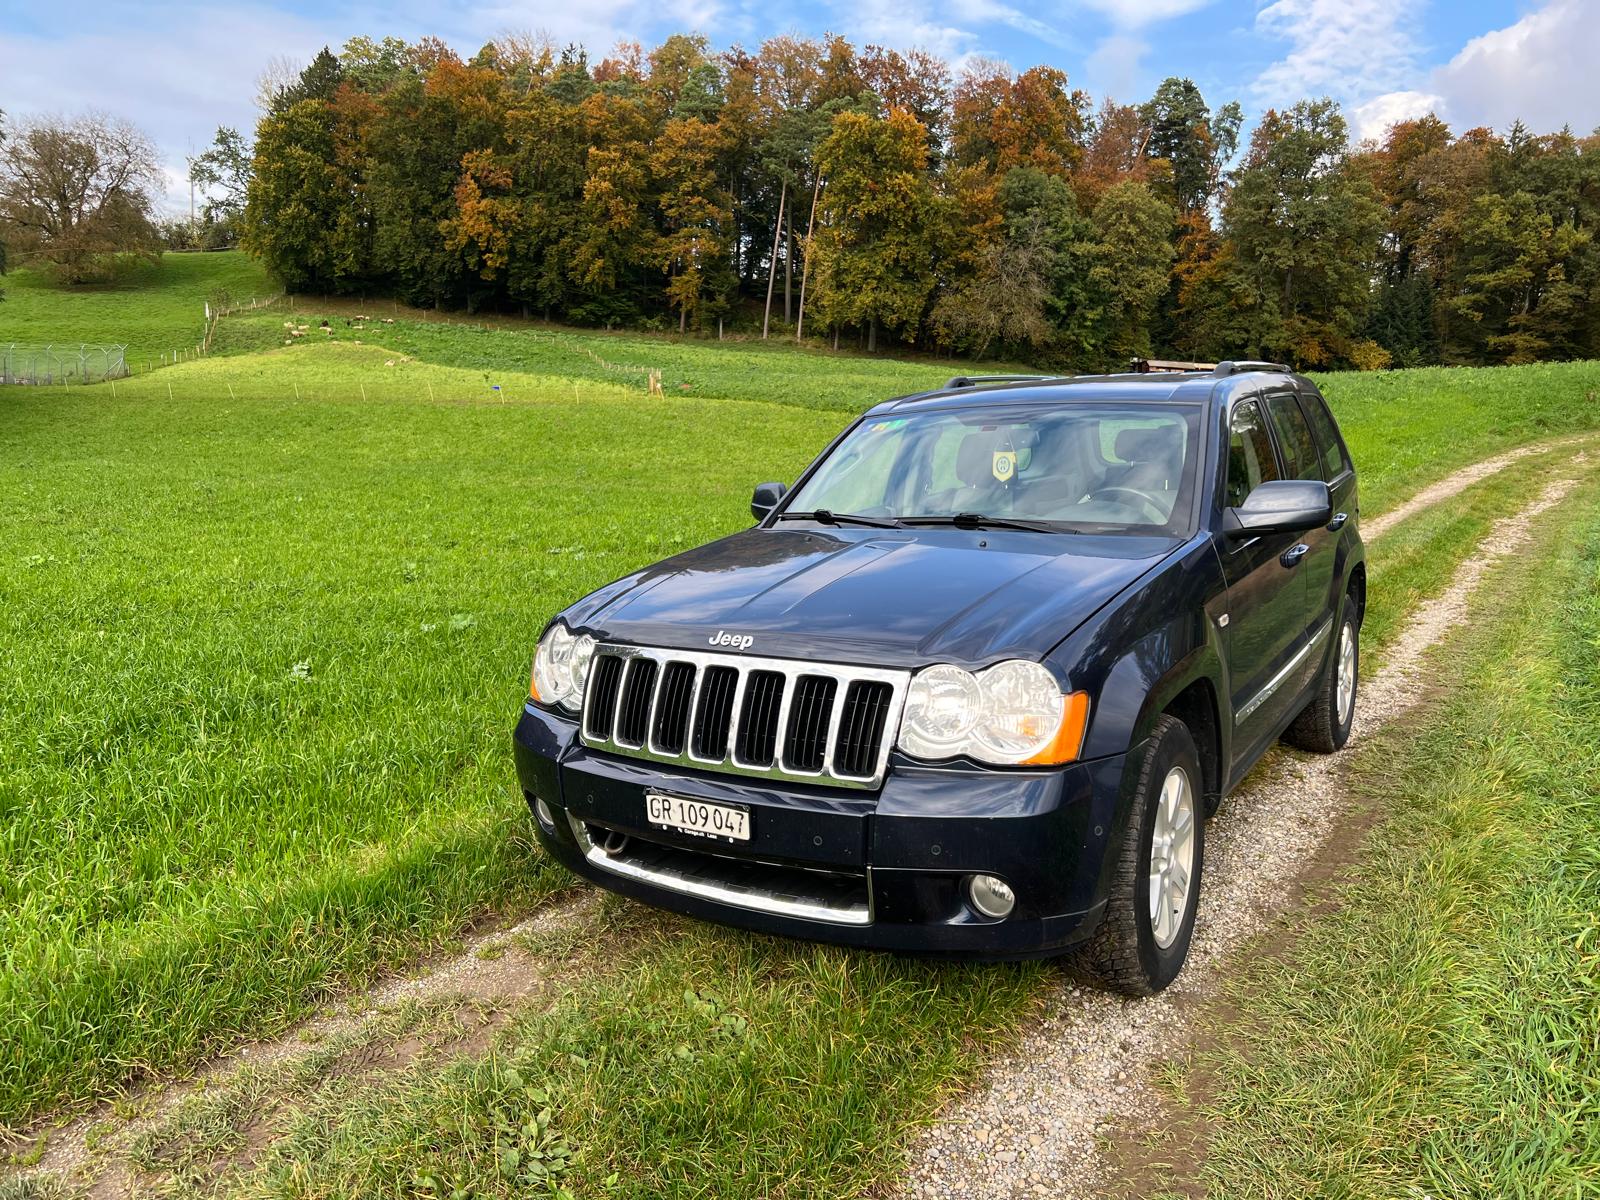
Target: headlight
<point>1009,714</point>
<point>561,667</point>
<point>942,705</point>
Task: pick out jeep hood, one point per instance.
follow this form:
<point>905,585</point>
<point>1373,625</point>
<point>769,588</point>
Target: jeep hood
<point>884,597</point>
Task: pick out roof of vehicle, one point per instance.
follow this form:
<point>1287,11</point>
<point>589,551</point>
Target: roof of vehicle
<point>1148,381</point>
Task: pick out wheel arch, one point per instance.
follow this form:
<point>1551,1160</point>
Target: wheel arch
<point>1356,589</point>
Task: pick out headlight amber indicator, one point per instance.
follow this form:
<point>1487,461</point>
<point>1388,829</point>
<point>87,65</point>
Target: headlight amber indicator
<point>1068,741</point>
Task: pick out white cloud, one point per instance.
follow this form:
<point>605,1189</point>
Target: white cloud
<point>177,82</point>
<point>1372,119</point>
<point>1351,50</point>
<point>989,12</point>
<point>1542,70</point>
<point>904,24</point>
<point>1136,14</point>
<point>1113,67</point>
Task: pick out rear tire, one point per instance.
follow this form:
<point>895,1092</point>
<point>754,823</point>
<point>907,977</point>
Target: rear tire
<point>1325,724</point>
<point>1143,938</point>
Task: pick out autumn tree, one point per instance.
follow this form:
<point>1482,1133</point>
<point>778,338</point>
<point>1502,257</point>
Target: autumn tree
<point>1031,120</point>
<point>985,215</point>
<point>1117,150</point>
<point>1195,143</point>
<point>300,218</point>
<point>872,254</point>
<point>697,212</point>
<point>1305,232</point>
<point>1132,252</point>
<point>1522,279</point>
<point>77,192</point>
<point>222,173</point>
<point>616,239</point>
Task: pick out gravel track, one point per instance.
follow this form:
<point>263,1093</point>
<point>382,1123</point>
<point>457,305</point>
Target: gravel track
<point>494,969</point>
<point>1454,485</point>
<point>1033,1124</point>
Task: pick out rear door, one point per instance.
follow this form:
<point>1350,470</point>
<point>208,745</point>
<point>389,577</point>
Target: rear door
<point>1265,632</point>
<point>1302,459</point>
<point>1336,466</point>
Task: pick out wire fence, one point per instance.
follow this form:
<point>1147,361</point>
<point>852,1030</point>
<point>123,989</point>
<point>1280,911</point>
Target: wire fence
<point>61,363</point>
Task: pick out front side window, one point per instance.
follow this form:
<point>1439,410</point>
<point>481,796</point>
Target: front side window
<point>1085,466</point>
<point>1294,435</point>
<point>1250,457</point>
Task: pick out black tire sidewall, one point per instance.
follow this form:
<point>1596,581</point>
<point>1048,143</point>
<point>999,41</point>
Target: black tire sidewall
<point>1176,748</point>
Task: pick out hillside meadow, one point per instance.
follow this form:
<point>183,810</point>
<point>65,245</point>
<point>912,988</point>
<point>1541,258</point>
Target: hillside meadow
<point>153,308</point>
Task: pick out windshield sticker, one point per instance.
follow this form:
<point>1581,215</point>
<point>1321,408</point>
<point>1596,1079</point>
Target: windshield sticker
<point>1005,465</point>
<point>886,426</point>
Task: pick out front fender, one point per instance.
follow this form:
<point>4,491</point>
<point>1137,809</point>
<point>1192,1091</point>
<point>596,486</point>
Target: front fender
<point>1146,649</point>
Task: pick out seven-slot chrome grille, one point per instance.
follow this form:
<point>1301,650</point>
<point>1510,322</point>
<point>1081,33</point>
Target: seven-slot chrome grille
<point>771,717</point>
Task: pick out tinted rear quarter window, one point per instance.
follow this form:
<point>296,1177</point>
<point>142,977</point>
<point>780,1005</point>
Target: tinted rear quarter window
<point>1294,435</point>
<point>1333,455</point>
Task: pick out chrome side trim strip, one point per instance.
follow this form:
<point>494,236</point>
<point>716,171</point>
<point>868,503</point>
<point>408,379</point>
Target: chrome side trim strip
<point>1278,680</point>
<point>722,891</point>
<point>744,665</point>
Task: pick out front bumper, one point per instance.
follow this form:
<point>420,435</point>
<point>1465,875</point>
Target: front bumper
<point>884,870</point>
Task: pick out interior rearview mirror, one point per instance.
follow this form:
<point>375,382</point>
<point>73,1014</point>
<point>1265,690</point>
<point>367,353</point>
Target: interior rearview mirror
<point>1280,506</point>
<point>766,499</point>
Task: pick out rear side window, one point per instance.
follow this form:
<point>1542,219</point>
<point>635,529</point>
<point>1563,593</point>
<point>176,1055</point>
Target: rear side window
<point>1250,459</point>
<point>1294,435</point>
<point>1333,459</point>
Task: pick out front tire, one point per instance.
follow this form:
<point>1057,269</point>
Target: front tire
<point>1144,936</point>
<point>1325,724</point>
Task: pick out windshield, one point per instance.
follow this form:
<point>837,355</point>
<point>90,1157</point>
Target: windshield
<point>1085,467</point>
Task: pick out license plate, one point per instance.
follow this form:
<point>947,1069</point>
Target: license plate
<point>700,817</point>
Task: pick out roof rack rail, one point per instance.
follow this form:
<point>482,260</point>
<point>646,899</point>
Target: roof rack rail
<point>963,381</point>
<point>1144,366</point>
<point>1224,369</point>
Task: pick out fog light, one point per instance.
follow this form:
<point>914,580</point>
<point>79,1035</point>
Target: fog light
<point>546,817</point>
<point>990,896</point>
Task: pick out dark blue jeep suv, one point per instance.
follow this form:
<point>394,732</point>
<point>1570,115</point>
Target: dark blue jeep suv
<point>972,686</point>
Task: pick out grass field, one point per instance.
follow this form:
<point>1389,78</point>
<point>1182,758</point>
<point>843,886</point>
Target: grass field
<point>1460,968</point>
<point>714,1063</point>
<point>268,619</point>
<point>153,308</point>
<point>1404,427</point>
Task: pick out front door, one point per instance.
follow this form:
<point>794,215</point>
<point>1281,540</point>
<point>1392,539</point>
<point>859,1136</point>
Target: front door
<point>1265,637</point>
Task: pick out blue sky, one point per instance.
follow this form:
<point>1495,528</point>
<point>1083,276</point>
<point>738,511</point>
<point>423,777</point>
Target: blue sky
<point>179,68</point>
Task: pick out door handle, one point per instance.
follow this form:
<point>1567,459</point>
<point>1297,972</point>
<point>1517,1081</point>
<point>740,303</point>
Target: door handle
<point>1338,521</point>
<point>1292,556</point>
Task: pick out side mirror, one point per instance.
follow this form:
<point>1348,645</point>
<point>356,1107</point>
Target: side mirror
<point>766,499</point>
<point>1280,506</point>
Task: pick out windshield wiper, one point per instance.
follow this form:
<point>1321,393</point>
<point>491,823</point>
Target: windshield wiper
<point>824,517</point>
<point>972,520</point>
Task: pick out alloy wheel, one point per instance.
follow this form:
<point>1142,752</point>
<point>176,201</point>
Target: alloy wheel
<point>1345,695</point>
<point>1171,856</point>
